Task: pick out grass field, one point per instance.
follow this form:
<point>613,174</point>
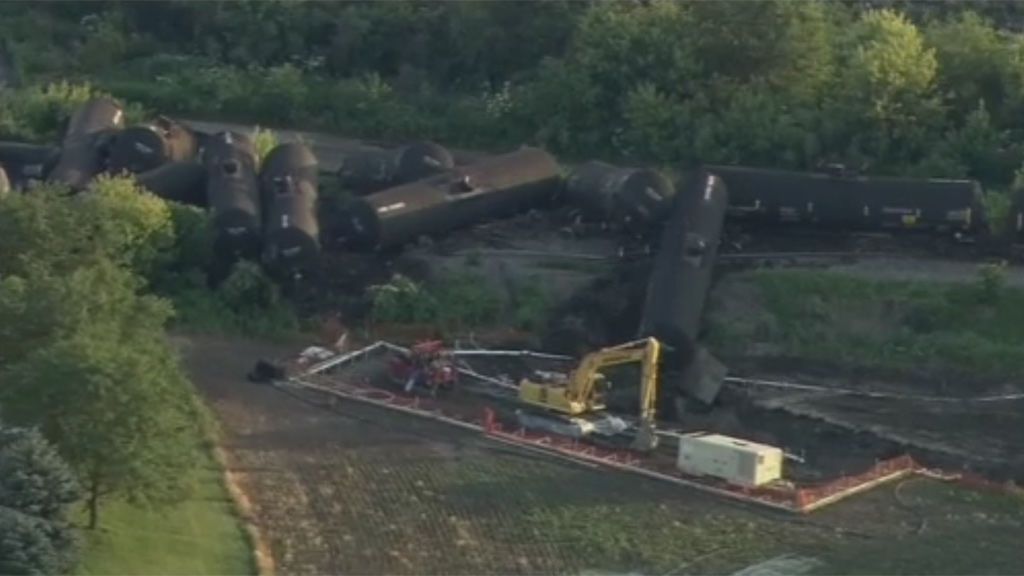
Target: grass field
<point>201,535</point>
<point>940,529</point>
<point>975,327</point>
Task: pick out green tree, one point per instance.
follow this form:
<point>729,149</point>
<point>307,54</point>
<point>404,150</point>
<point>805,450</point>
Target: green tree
<point>983,149</point>
<point>25,545</point>
<point>752,123</point>
<point>658,126</point>
<point>118,408</point>
<point>975,62</point>
<point>619,45</point>
<point>33,477</point>
<point>561,105</point>
<point>885,107</point>
<point>782,42</point>
<point>114,219</point>
<point>43,306</point>
<point>37,484</point>
<point>184,264</point>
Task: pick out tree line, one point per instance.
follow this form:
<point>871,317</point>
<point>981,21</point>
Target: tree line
<point>908,88</point>
<point>94,404</point>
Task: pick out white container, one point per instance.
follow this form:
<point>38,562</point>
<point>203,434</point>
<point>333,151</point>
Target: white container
<point>734,460</point>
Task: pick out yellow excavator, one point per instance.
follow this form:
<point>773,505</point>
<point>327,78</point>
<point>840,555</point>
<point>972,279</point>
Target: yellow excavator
<point>580,394</point>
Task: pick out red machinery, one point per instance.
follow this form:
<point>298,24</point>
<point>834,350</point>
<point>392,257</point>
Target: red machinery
<point>427,365</point>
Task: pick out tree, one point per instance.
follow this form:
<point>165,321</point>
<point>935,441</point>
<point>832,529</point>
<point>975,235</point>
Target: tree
<point>114,219</point>
<point>884,107</point>
<point>658,126</point>
<point>117,406</point>
<point>975,62</point>
<point>562,106</point>
<point>33,478</point>
<point>36,491</point>
<point>25,546</point>
<point>781,42</point>
<point>619,45</point>
<point>42,306</point>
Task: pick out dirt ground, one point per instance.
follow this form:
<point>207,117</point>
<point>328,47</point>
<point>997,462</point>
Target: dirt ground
<point>360,490</point>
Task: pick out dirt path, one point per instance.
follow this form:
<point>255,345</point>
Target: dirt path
<point>922,270</point>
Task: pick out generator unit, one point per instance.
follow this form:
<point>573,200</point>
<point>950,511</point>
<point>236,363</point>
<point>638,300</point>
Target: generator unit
<point>736,461</point>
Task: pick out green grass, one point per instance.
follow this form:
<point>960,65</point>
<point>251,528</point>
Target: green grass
<point>976,327</point>
<point>956,531</point>
<point>201,535</point>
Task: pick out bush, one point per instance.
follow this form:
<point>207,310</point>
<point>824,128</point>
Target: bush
<point>263,141</point>
<point>455,302</point>
<point>973,328</point>
<point>991,282</point>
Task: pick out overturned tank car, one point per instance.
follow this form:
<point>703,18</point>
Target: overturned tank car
<point>631,198</point>
<point>233,191</point>
<point>291,232</point>
<point>679,284</point>
<point>86,144</point>
<point>493,187</point>
<point>25,162</point>
<point>182,182</point>
<point>372,170</point>
<point>143,148</point>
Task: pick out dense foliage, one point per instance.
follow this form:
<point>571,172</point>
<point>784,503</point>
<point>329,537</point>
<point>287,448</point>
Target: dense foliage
<point>886,86</point>
<point>83,354</point>
<point>36,491</point>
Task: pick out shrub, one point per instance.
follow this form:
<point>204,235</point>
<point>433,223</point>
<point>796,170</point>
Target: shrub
<point>263,141</point>
<point>991,282</point>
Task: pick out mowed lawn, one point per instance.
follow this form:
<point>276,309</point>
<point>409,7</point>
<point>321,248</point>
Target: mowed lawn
<point>201,535</point>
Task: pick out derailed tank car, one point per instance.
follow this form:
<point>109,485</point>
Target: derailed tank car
<point>632,198</point>
<point>143,148</point>
<point>372,170</point>
<point>493,187</point>
<point>86,143</point>
<point>24,162</point>
<point>233,191</point>
<point>837,199</point>
<point>288,187</point>
<point>680,280</point>
<point>182,182</point>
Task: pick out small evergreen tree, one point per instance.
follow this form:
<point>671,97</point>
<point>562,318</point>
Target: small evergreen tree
<point>37,490</point>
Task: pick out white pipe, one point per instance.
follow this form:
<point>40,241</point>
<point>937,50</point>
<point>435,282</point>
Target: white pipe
<point>510,353</point>
<point>867,393</point>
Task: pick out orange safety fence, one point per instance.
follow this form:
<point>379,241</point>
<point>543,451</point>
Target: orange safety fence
<point>807,496</point>
<point>800,500</point>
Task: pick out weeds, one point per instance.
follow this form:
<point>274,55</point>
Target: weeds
<point>975,327</point>
<point>263,142</point>
<point>38,113</point>
<point>458,302</point>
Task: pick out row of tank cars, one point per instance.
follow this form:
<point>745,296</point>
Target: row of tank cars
<point>269,210</point>
<point>260,210</point>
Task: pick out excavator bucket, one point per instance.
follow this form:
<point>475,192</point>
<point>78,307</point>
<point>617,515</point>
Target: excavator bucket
<point>646,438</point>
